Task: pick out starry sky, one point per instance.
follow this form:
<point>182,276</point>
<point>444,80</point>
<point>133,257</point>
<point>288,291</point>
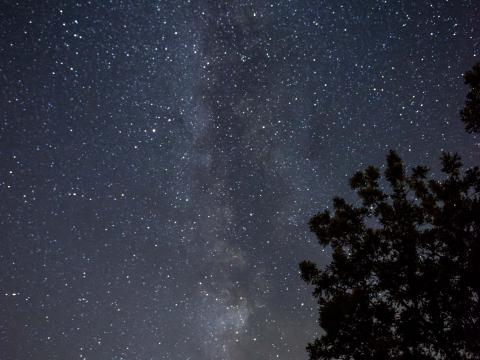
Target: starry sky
<point>160,160</point>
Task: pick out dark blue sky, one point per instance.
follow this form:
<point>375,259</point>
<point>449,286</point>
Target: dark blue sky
<point>159,161</point>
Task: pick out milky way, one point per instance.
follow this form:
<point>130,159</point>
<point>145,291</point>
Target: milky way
<point>159,161</point>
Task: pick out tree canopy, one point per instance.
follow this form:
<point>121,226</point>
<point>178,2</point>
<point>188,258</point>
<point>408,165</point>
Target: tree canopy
<point>404,278</point>
<point>470,114</point>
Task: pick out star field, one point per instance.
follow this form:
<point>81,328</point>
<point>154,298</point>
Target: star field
<point>160,160</point>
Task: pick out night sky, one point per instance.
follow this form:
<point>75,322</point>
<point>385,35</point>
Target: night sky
<point>160,160</point>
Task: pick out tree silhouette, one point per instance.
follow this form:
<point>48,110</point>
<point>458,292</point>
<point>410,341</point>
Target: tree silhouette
<point>404,279</point>
<point>470,114</point>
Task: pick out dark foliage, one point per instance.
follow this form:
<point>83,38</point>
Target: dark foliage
<point>404,279</point>
<point>407,285</point>
<point>470,114</point>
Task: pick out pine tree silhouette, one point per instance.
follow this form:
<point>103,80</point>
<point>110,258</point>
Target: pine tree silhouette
<point>404,279</point>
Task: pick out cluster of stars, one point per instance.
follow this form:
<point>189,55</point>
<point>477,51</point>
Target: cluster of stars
<point>159,162</point>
